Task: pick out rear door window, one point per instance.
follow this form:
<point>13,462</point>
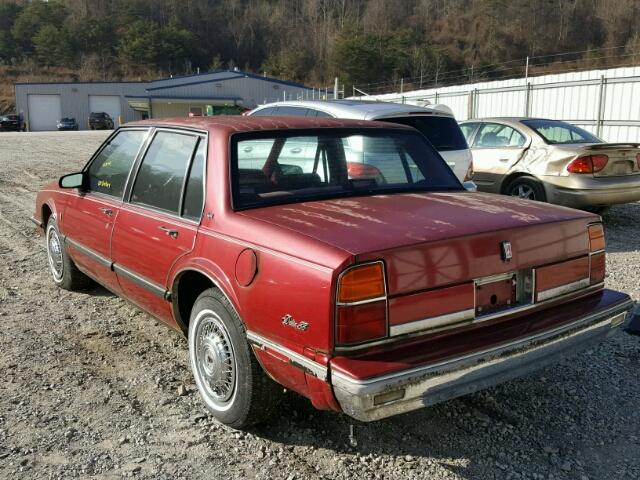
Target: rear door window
<point>443,132</point>
<point>496,135</point>
<point>467,130</point>
<point>108,172</point>
<point>163,170</point>
<point>292,111</point>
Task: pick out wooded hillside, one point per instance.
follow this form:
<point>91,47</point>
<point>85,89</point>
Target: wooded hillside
<point>361,41</point>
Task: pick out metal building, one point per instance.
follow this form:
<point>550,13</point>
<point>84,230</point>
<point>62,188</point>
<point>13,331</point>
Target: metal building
<point>43,104</point>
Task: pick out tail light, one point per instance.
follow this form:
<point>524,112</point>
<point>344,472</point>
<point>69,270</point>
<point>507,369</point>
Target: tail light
<point>638,159</point>
<point>470,172</point>
<point>597,264</point>
<point>361,314</point>
<point>588,164</point>
<point>596,238</point>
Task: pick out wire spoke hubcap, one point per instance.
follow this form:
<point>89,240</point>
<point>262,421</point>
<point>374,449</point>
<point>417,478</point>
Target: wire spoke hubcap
<point>215,359</point>
<point>54,254</point>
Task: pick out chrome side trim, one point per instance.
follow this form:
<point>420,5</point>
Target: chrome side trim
<point>432,322</point>
<point>153,287</point>
<point>99,258</point>
<point>512,311</point>
<point>36,221</point>
<point>562,289</point>
<point>295,359</point>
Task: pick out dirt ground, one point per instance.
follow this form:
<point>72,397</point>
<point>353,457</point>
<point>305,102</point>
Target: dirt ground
<point>90,386</point>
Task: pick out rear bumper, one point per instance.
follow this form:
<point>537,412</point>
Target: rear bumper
<point>430,384</point>
<point>591,191</point>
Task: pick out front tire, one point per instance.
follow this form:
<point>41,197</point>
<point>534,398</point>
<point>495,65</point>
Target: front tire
<point>528,188</point>
<point>64,272</point>
<point>229,378</point>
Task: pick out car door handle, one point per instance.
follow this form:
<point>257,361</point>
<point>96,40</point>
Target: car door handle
<point>170,232</point>
<point>107,211</point>
<point>504,159</point>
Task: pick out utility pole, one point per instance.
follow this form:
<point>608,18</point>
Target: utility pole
<point>335,89</point>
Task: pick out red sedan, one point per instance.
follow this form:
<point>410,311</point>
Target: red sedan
<point>340,259</point>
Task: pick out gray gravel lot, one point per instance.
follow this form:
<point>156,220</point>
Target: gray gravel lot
<point>93,388</point>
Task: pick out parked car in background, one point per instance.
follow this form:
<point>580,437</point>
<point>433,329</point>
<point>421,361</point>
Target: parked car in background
<point>415,290</point>
<point>552,161</point>
<point>11,123</point>
<point>436,122</point>
<point>67,124</point>
<point>100,121</point>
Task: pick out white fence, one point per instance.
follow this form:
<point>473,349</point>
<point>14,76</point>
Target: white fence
<point>605,102</point>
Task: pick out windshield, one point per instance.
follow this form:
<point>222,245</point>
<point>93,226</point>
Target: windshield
<point>269,168</point>
<point>555,132</point>
<point>443,132</point>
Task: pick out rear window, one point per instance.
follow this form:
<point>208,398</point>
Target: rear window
<point>271,168</point>
<point>443,132</point>
<point>555,132</point>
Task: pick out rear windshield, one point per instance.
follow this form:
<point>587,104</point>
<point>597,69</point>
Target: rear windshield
<point>443,132</point>
<point>555,132</point>
<point>269,168</point>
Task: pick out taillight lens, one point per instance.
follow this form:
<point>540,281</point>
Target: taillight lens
<point>638,159</point>
<point>598,267</point>
<point>361,313</point>
<point>361,323</point>
<point>469,174</point>
<point>361,283</point>
<point>588,164</point>
<point>596,252</point>
<point>596,237</point>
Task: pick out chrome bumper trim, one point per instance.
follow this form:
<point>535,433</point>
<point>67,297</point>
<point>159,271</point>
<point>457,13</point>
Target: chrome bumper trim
<point>434,383</point>
<point>294,358</point>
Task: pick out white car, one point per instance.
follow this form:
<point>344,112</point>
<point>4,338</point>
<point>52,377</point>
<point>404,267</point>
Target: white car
<point>436,122</point>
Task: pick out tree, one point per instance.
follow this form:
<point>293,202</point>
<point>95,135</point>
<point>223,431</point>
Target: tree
<point>52,46</point>
<point>8,13</point>
<point>32,18</point>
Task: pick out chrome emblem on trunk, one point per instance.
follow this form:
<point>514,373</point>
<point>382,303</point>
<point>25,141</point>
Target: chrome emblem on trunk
<point>505,251</point>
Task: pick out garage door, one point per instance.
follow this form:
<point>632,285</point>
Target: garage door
<point>106,103</point>
<point>44,112</point>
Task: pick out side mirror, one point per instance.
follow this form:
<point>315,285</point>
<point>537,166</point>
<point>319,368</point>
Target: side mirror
<point>73,180</point>
<point>470,186</point>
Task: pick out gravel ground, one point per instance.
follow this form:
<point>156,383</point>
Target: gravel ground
<point>93,388</point>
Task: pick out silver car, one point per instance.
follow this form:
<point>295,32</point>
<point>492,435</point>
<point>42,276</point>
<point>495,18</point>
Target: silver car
<point>436,122</point>
<point>553,161</point>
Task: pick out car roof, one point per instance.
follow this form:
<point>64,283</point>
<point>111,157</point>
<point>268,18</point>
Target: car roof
<point>241,123</point>
<point>361,109</point>
<point>507,119</point>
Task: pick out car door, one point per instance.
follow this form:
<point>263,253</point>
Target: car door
<point>159,222</point>
<point>88,220</point>
<point>496,149</point>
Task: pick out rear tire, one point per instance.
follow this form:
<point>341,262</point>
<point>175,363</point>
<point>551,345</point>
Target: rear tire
<point>64,272</point>
<point>229,378</point>
<point>527,188</point>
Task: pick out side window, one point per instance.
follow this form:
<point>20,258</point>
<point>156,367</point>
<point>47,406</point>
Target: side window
<point>495,135</point>
<point>292,111</point>
<point>467,130</point>
<point>194,190</point>
<point>264,112</point>
<point>320,114</point>
<point>109,171</point>
<point>164,167</point>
